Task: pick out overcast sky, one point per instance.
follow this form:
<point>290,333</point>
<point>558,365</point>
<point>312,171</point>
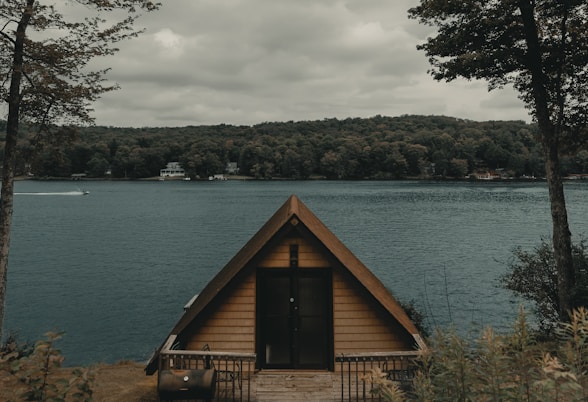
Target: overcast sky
<point>251,61</point>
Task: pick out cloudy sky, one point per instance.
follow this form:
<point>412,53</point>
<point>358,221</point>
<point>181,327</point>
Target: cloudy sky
<point>251,61</point>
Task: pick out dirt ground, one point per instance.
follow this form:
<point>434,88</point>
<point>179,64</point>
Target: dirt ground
<point>120,382</point>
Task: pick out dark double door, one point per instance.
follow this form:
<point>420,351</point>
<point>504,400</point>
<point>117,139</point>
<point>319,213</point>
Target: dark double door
<point>294,320</point>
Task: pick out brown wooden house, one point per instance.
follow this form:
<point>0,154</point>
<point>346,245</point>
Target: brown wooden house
<point>293,298</point>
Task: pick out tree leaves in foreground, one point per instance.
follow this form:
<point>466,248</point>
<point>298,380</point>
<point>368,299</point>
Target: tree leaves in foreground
<point>541,48</point>
<point>46,78</point>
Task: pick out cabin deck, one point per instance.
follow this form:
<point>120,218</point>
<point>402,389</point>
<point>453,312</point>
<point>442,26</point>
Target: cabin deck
<point>297,386</point>
<point>238,380</point>
<point>285,386</point>
<point>270,385</point>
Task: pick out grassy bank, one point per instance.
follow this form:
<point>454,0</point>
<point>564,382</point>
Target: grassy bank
<point>120,382</point>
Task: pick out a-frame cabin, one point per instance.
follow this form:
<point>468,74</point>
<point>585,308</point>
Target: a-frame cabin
<point>296,297</point>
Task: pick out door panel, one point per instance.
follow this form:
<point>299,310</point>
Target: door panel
<point>312,317</point>
<point>276,320</point>
<point>294,318</point>
<point>312,295</point>
<point>277,342</point>
<point>312,343</point>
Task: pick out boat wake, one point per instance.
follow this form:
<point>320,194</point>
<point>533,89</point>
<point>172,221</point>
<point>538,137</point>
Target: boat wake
<point>79,192</point>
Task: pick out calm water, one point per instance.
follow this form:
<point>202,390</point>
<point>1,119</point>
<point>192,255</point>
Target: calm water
<point>115,268</point>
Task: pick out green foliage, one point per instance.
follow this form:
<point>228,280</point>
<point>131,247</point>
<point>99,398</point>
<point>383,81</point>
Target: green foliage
<point>533,276</point>
<point>36,371</point>
<point>61,81</point>
<point>14,348</point>
<point>375,148</point>
<point>512,367</point>
<point>499,42</point>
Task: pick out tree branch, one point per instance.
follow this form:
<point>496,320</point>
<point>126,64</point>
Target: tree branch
<point>6,36</point>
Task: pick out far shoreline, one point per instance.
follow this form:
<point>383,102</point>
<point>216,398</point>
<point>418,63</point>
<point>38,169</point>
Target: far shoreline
<point>572,178</point>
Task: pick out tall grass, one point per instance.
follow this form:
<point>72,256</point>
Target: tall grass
<point>512,367</point>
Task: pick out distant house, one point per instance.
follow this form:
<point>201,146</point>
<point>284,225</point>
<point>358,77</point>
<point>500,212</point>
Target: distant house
<point>78,176</point>
<point>488,175</point>
<point>173,169</point>
<point>217,177</point>
<point>293,298</point>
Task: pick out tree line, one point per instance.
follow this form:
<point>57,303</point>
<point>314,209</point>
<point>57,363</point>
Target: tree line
<point>354,148</point>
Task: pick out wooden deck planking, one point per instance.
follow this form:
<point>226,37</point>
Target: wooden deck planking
<point>286,386</point>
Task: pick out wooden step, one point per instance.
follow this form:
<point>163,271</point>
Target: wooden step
<point>286,386</point>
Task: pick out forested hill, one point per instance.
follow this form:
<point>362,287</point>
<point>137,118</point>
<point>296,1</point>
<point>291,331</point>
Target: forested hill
<point>355,148</point>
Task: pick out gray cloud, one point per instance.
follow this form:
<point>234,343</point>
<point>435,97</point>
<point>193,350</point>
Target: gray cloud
<point>245,62</point>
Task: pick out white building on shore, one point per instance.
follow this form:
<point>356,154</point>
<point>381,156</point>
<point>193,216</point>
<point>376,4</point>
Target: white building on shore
<point>173,169</point>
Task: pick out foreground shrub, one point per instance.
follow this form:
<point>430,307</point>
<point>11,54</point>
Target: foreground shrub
<point>383,387</point>
<point>37,373</point>
<point>513,367</point>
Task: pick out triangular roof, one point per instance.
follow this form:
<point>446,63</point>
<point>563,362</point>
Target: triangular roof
<point>293,208</point>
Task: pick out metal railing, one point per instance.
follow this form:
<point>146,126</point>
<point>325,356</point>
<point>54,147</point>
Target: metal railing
<point>354,368</point>
<point>233,370</point>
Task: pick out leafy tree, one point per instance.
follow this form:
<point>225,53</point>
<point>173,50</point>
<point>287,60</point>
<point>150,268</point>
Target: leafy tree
<point>331,164</point>
<point>458,167</point>
<point>581,162</point>
<point>533,276</point>
<point>46,80</point>
<point>414,155</point>
<point>98,165</point>
<point>79,156</point>
<point>290,166</point>
<point>540,47</point>
<point>52,161</point>
<point>121,162</point>
<point>395,163</point>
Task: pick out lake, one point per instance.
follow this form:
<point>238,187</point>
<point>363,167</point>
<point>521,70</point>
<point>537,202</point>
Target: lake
<point>114,269</point>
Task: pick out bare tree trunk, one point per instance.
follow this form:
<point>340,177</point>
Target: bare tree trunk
<point>7,193</point>
<point>562,237</point>
<point>550,144</point>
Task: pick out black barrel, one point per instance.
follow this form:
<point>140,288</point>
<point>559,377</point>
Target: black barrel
<point>187,384</point>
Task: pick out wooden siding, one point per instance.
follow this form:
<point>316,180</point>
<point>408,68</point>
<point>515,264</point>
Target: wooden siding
<point>223,316</point>
<point>308,255</point>
<point>231,326</point>
<point>361,325</point>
